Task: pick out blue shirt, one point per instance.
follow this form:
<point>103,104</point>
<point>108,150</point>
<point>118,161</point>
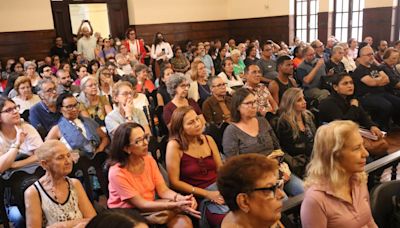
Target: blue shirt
<point>41,117</point>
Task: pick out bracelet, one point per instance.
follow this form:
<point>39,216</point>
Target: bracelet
<point>192,190</point>
<point>15,145</point>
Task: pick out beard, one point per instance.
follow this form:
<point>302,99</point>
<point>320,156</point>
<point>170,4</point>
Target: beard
<point>68,84</point>
<point>51,100</point>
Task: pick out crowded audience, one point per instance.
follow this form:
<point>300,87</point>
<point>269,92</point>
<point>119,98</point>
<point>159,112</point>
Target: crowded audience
<point>291,119</point>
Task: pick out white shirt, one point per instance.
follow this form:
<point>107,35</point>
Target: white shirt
<point>26,104</point>
<point>31,143</point>
<point>134,47</point>
<point>155,50</point>
<point>231,82</point>
<point>86,46</point>
<point>140,101</point>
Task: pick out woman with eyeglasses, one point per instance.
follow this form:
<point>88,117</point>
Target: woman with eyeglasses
<point>336,183</point>
<point>233,82</point>
<point>75,131</point>
<point>125,110</point>
<point>92,105</point>
<point>105,83</point>
<point>252,190</point>
<point>178,87</point>
<point>134,179</point>
<point>216,107</point>
<point>249,133</point>
<point>107,52</point>
<point>18,141</point>
<point>192,163</point>
<point>25,98</point>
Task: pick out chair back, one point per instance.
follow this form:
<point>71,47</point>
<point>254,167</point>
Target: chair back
<point>381,201</point>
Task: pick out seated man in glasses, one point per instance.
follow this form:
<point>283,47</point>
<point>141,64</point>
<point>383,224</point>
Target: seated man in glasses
<point>216,107</point>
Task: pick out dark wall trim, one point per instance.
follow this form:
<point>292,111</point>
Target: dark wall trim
<point>30,44</point>
<point>377,23</point>
<point>274,28</point>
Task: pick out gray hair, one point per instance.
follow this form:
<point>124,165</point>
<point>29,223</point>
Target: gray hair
<point>39,86</point>
<point>174,81</point>
<point>59,72</point>
<point>82,96</point>
<point>211,80</point>
<point>336,49</point>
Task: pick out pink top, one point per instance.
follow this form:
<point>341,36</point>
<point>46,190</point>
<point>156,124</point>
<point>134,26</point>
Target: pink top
<point>124,185</point>
<point>321,208</point>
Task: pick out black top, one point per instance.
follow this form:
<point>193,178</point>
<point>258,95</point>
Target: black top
<point>393,74</point>
<point>249,61</point>
<point>204,93</point>
<point>337,68</point>
<point>62,52</point>
<point>162,90</point>
<point>362,89</point>
<point>335,107</point>
<point>217,65</point>
<point>283,87</point>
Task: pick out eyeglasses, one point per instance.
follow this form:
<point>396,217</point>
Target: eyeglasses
<point>141,140</point>
<point>271,191</point>
<point>132,33</point>
<point>369,54</point>
<point>47,70</point>
<point>51,91</point>
<point>184,85</point>
<point>71,107</point>
<point>92,85</point>
<point>250,103</point>
<point>125,94</point>
<point>11,110</point>
<point>221,85</point>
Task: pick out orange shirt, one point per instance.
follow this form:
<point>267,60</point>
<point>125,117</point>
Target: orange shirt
<point>296,62</point>
<point>124,185</point>
<point>148,84</point>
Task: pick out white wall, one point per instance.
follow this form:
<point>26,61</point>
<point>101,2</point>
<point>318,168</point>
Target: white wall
<point>25,15</point>
<point>238,9</point>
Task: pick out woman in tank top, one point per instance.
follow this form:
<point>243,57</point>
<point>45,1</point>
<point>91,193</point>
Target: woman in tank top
<point>55,199</point>
<point>192,163</point>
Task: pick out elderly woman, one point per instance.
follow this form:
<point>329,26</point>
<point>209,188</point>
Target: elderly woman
<point>30,71</point>
<point>232,81</point>
<point>336,183</point>
<point>238,64</point>
<point>75,131</point>
<point>178,87</point>
<point>296,129</point>
<point>144,83</point>
<point>179,62</point>
<point>193,161</point>
<point>25,98</point>
<point>249,133</point>
<point>216,107</point>
<point>91,104</point>
<point>390,61</point>
<point>125,110</point>
<point>135,179</point>
<point>56,200</point>
<point>199,91</point>
<point>348,62</point>
<point>252,190</point>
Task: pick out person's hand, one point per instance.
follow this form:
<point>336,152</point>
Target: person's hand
<point>284,168</point>
<point>331,72</point>
<point>354,102</point>
<point>275,154</point>
<point>376,131</point>
<point>21,135</point>
<point>320,62</point>
<point>215,197</point>
<point>185,206</point>
<point>128,108</point>
<point>188,197</point>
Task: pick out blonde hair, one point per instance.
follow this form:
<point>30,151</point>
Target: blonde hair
<point>288,113</point>
<point>117,86</point>
<point>21,80</point>
<point>47,149</point>
<point>193,67</point>
<point>324,167</point>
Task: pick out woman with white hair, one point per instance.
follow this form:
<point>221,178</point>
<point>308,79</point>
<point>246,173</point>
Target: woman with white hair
<point>56,200</point>
<point>238,64</point>
<point>336,183</point>
<point>92,105</point>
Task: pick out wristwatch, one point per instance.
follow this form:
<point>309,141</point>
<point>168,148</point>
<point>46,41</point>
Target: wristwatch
<point>15,145</point>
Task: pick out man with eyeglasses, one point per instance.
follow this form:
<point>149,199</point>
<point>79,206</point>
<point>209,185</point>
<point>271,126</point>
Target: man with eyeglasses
<point>216,107</point>
<point>310,73</point>
<point>320,50</point>
<point>65,83</point>
<point>45,73</point>
<point>370,82</point>
<point>43,115</point>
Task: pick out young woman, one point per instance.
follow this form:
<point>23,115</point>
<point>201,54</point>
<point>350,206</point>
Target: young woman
<point>135,179</point>
<point>107,52</point>
<point>232,81</point>
<point>336,183</point>
<point>199,90</point>
<point>56,200</point>
<point>81,71</point>
<point>295,129</point>
<point>91,104</point>
<point>193,161</point>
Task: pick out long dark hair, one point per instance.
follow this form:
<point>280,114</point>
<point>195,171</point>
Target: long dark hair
<point>120,140</point>
<point>237,99</point>
<point>176,131</point>
<point>157,41</point>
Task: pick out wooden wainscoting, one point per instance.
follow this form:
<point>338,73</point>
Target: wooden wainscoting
<point>377,23</point>
<point>30,44</point>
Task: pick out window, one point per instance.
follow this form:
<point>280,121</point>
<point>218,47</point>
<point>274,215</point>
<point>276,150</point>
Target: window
<point>348,19</point>
<point>306,14</point>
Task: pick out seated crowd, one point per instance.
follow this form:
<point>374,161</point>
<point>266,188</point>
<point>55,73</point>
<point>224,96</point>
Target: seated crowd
<point>245,127</point>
